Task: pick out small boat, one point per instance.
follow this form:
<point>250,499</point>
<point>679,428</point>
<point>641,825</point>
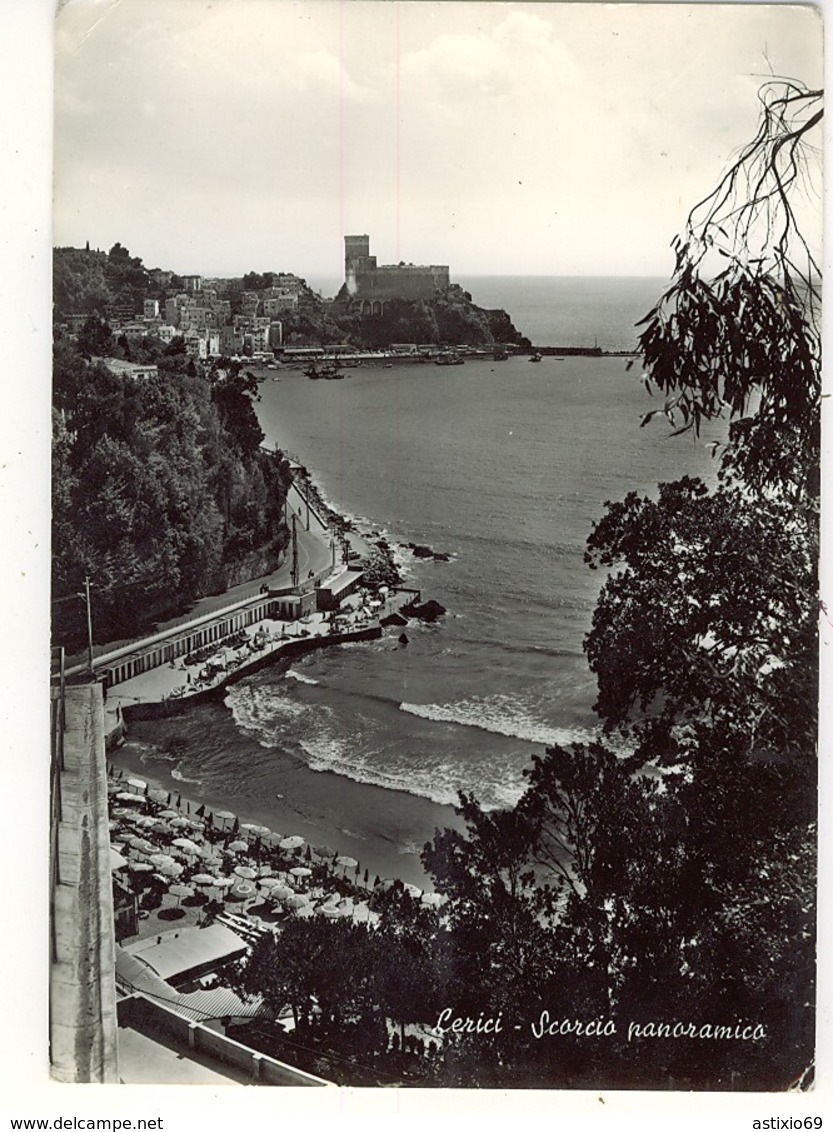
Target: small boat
<point>500,354</point>
<point>536,357</point>
<point>330,372</point>
<point>448,360</point>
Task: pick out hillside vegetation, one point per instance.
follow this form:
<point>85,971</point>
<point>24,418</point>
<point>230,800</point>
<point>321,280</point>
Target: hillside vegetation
<point>160,492</point>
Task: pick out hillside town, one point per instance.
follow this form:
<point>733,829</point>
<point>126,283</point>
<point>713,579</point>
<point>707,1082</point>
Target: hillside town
<point>139,312</point>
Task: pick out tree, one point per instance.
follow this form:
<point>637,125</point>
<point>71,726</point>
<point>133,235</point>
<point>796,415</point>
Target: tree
<point>95,339</point>
<point>711,615</point>
<point>740,321</point>
<point>675,875</point>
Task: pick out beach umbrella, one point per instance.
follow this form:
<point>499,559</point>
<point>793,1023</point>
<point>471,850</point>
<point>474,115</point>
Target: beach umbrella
<point>140,843</point>
<point>296,900</point>
<point>260,830</point>
<point>160,859</point>
<point>180,890</point>
<point>168,814</point>
<point>331,911</point>
<point>126,796</point>
<point>243,890</point>
<point>237,846</point>
<point>145,820</point>
<point>223,882</point>
<point>245,872</point>
<point>158,795</point>
<point>325,851</point>
<point>413,890</point>
<point>281,892</point>
<point>292,842</point>
<point>269,883</point>
<point>187,846</point>
<point>300,871</point>
<point>200,812</point>
<point>137,784</point>
<point>224,815</point>
<point>265,870</point>
<point>140,866</point>
<point>172,870</point>
<point>347,862</point>
<point>273,839</point>
<point>203,879</point>
<point>180,823</point>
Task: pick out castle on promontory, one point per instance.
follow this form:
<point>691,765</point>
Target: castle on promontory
<point>368,287</point>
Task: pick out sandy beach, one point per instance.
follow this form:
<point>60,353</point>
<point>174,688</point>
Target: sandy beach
<point>383,829</point>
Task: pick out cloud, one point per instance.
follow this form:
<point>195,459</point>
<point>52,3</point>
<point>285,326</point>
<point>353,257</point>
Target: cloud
<point>519,57</point>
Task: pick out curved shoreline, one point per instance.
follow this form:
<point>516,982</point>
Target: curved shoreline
<point>382,827</point>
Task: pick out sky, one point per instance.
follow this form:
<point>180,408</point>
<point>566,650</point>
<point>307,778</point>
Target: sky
<point>234,135</point>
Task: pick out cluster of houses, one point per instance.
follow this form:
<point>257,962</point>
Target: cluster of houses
<point>201,314</point>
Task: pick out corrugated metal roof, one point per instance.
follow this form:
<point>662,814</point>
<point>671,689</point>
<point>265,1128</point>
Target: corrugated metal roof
<point>199,1006</point>
<point>186,949</point>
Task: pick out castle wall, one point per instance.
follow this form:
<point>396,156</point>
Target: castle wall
<point>369,283</point>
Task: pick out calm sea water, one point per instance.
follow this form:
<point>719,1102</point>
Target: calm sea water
<point>505,466</point>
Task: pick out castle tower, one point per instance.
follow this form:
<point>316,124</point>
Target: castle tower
<point>357,260</point>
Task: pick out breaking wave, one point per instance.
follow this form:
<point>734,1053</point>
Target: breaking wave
<point>437,781</point>
<point>502,715</point>
<point>300,677</point>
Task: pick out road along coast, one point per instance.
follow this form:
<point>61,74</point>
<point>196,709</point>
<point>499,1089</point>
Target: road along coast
<point>383,828</point>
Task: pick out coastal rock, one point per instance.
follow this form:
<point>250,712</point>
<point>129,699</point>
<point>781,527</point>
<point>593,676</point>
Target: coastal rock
<point>419,550</point>
<point>429,611</point>
<point>394,619</point>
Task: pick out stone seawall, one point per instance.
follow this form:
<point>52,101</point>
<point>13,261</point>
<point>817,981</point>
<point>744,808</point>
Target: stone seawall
<point>284,651</point>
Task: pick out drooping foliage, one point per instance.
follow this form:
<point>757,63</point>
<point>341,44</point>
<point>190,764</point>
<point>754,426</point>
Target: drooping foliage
<point>671,865</point>
<point>738,330</point>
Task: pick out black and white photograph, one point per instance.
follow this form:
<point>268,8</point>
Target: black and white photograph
<point>434,607</point>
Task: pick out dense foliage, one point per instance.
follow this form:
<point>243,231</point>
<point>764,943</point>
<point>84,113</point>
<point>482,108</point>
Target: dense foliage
<point>671,867</point>
<point>98,283</point>
<point>645,916</point>
<point>160,491</point>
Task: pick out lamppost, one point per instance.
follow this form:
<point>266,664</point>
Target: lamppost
<point>86,596</point>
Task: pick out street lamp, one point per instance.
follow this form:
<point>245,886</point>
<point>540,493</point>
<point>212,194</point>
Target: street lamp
<point>86,596</point>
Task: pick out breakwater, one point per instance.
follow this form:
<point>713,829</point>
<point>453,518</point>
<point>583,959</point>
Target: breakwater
<point>284,650</point>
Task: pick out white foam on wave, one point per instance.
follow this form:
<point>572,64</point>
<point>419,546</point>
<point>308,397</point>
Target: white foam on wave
<point>502,715</point>
<point>438,782</point>
<point>262,713</point>
<point>300,677</point>
<point>180,777</point>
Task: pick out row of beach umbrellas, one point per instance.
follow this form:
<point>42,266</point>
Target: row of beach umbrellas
<point>247,882</point>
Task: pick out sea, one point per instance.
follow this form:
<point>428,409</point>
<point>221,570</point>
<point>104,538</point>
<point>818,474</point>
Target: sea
<point>504,467</point>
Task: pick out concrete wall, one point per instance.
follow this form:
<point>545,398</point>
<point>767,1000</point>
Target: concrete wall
<point>82,987</point>
<point>149,1017</point>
